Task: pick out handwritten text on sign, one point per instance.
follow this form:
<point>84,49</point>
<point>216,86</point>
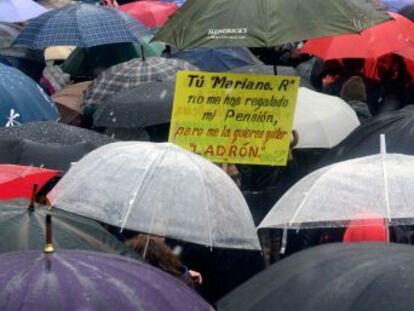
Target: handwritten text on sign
<point>234,118</point>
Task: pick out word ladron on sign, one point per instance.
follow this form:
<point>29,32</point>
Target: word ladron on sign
<point>243,84</point>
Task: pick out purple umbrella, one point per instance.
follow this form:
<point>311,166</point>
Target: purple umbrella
<point>15,11</point>
<point>396,5</point>
<point>81,280</point>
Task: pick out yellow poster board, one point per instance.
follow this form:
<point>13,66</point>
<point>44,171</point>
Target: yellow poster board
<point>234,118</point>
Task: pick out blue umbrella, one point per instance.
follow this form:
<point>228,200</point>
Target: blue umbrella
<point>396,5</point>
<point>83,25</point>
<point>178,2</point>
<point>216,60</point>
<point>4,61</point>
<point>22,100</point>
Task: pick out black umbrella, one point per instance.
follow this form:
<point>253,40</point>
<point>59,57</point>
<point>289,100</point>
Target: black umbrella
<point>398,127</point>
<point>408,12</point>
<point>340,277</point>
<point>53,156</point>
<point>23,228</point>
<point>148,104</point>
<point>261,69</point>
<point>53,132</point>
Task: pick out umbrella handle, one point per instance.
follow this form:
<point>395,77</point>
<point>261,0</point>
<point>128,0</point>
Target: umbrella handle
<point>33,199</point>
<point>49,248</point>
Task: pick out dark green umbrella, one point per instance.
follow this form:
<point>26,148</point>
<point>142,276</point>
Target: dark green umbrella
<point>265,23</point>
<point>23,228</point>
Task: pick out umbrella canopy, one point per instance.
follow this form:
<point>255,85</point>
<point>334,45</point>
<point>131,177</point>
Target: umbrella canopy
<point>53,132</point>
<point>15,11</point>
<point>148,104</point>
<point>265,23</point>
<point>385,38</point>
<point>322,121</point>
<point>23,228</point>
<point>68,102</point>
<point>58,52</point>
<point>17,181</point>
<point>397,126</point>
<point>82,280</point>
<point>120,184</point>
<point>355,189</point>
<point>396,5</point>
<point>217,59</point>
<point>178,2</point>
<point>126,76</point>
<point>270,70</point>
<point>83,63</point>
<point>342,277</point>
<point>150,13</point>
<point>83,25</point>
<point>52,156</point>
<point>22,99</point>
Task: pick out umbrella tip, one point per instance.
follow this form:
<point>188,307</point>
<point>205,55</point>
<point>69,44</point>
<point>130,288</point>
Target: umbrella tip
<point>49,248</point>
<point>33,199</point>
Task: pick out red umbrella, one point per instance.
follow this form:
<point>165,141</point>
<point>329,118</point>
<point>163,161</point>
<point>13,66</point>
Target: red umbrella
<point>150,13</point>
<point>17,181</point>
<point>388,37</point>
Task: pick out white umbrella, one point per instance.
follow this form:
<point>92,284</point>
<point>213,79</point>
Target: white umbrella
<point>378,186</point>
<point>158,189</point>
<point>322,121</point>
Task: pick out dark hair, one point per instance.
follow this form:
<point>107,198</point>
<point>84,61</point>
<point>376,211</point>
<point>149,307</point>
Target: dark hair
<point>332,67</point>
<point>353,66</point>
<point>158,254</point>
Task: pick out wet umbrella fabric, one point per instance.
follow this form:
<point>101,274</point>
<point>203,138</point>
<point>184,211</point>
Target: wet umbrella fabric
<point>355,189</point>
<point>262,69</point>
<point>22,229</point>
<point>82,63</point>
<point>82,280</point>
<point>82,25</point>
<point>178,2</point>
<point>17,181</point>
<point>374,42</point>
<point>23,100</point>
<point>53,132</point>
<point>68,102</point>
<point>322,121</point>
<point>126,76</point>
<point>148,104</point>
<point>120,184</point>
<point>15,11</point>
<point>52,156</point>
<point>265,23</point>
<point>216,60</point>
<point>341,277</point>
<point>397,127</point>
<point>396,5</point>
<point>150,13</point>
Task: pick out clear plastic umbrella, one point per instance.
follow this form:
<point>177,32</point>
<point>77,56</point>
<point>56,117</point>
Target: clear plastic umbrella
<point>158,189</point>
<point>378,186</point>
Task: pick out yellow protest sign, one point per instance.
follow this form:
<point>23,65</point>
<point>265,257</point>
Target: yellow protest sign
<point>234,118</point>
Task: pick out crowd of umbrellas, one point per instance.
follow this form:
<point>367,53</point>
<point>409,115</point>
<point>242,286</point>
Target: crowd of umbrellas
<point>86,97</point>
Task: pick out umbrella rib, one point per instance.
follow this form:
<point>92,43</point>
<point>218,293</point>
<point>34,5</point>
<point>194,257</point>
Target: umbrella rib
<point>150,169</point>
<point>385,176</point>
<point>307,194</point>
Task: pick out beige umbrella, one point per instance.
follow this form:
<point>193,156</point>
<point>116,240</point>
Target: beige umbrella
<point>69,101</point>
<point>58,52</point>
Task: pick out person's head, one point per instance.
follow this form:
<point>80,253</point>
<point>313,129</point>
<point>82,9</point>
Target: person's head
<point>353,66</point>
<point>391,67</point>
<point>157,253</point>
<point>333,68</point>
<point>354,90</point>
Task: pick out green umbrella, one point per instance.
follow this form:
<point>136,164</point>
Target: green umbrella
<point>265,23</point>
<point>23,228</point>
<point>87,63</point>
